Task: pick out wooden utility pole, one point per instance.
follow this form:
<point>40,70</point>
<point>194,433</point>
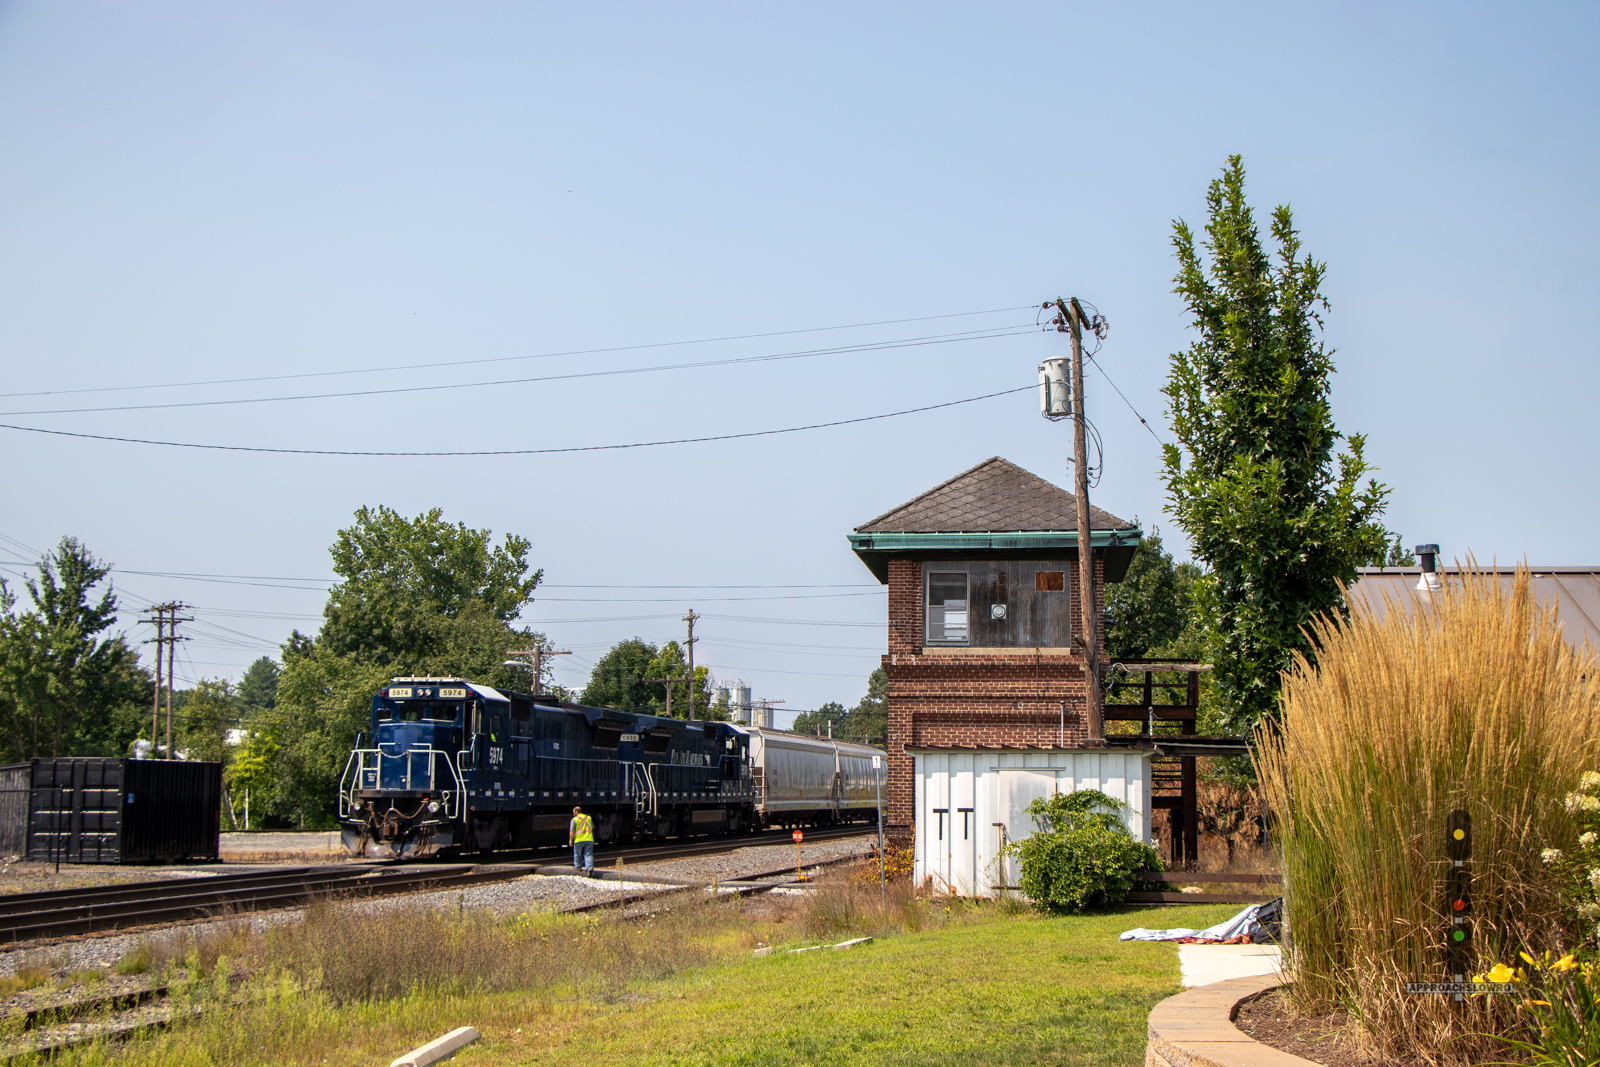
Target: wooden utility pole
<point>538,655</point>
<point>172,664</point>
<point>166,642</point>
<point>690,618</point>
<point>160,642</point>
<point>1073,320</point>
<point>669,683</point>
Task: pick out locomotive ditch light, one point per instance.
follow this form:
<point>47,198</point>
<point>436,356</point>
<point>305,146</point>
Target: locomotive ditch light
<point>433,806</point>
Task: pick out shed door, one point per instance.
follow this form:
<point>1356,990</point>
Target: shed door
<point>1015,789</point>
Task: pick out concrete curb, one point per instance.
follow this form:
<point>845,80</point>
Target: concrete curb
<point>1195,1029</point>
<point>438,1049</point>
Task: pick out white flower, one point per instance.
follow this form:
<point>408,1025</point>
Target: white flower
<point>1588,838</point>
<point>1594,879</point>
<point>1550,855</point>
<point>1589,804</point>
<point>1572,801</point>
<point>1588,780</point>
<point>1590,910</point>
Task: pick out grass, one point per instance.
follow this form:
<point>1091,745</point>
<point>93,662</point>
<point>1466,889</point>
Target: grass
<point>973,985</point>
<point>1475,702</point>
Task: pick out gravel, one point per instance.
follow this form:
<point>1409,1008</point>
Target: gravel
<point>513,897</point>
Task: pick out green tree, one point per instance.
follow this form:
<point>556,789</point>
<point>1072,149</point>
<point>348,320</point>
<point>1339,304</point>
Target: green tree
<point>824,722</point>
<point>1153,605</point>
<point>1276,513</point>
<point>209,713</point>
<point>416,596</point>
<point>617,679</point>
<point>258,688</point>
<point>867,723</point>
<point>63,682</point>
<point>401,579</point>
<point>670,662</point>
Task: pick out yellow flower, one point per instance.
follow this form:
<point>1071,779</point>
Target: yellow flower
<point>1565,963</point>
<point>1500,973</point>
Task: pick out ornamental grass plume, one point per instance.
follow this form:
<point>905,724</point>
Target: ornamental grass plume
<point>1470,699</point>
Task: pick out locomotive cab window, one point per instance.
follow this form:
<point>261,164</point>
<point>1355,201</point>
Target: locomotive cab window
<point>947,608</point>
<point>440,712</point>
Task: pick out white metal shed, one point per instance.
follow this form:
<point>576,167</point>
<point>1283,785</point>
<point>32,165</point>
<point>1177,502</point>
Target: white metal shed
<point>970,801</point>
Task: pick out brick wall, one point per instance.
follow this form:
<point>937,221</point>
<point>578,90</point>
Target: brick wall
<point>971,696</point>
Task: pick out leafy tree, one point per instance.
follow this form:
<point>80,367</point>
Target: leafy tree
<point>824,721</point>
<point>1278,516</point>
<point>63,681</point>
<point>1397,555</point>
<point>670,662</point>
<point>867,723</point>
<point>417,596</point>
<point>209,713</point>
<point>1153,605</point>
<point>258,688</point>
<point>402,577</point>
<point>616,681</point>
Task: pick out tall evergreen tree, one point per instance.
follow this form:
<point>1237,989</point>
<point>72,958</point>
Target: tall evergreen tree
<point>63,680</point>
<point>1276,512</point>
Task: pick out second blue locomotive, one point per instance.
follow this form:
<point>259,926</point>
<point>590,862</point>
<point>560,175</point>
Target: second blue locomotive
<point>454,766</point>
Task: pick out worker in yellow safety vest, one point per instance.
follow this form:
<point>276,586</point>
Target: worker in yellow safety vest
<point>580,836</point>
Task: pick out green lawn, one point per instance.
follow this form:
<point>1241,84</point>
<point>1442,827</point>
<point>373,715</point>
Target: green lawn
<point>973,986</point>
<point>999,992</point>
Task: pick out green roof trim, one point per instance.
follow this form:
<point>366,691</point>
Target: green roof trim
<point>1029,540</point>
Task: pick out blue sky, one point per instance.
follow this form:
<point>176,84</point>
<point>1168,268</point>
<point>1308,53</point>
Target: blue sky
<point>202,192</point>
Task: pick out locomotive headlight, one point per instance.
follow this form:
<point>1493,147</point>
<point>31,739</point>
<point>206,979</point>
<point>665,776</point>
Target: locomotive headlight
<point>433,806</point>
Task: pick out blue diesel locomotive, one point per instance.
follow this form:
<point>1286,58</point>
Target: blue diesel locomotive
<point>454,766</point>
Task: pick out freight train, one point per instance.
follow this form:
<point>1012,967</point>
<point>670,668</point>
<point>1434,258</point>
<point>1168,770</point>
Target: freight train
<point>454,766</point>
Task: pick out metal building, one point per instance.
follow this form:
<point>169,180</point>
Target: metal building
<point>972,801</point>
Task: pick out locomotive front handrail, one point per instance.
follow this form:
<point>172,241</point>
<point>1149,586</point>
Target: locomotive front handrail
<point>454,799</point>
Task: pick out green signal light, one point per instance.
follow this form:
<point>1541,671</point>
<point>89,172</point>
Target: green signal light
<point>1459,935</point>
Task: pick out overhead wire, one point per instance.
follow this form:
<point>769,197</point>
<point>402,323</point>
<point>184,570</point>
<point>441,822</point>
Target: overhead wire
<point>883,346</point>
<point>513,451</point>
<point>509,359</point>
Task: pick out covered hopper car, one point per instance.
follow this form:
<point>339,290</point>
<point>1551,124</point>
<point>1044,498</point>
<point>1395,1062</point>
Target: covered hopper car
<point>454,766</point>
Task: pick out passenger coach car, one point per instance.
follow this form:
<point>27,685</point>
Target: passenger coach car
<point>455,766</point>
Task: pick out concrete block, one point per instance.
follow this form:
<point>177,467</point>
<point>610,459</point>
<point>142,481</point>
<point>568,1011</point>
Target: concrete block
<point>438,1049</point>
<point>760,952</point>
<point>853,942</point>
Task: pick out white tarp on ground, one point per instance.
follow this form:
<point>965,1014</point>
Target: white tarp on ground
<point>1258,922</point>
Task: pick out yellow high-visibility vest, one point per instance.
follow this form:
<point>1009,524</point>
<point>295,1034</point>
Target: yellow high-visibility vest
<point>582,828</point>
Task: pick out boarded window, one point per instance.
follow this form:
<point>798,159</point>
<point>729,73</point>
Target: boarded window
<point>1049,581</point>
<point>947,608</point>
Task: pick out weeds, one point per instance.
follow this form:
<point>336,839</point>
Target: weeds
<point>136,960</point>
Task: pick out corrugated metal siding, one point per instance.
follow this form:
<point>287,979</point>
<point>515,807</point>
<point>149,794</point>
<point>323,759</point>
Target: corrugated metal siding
<point>122,810</point>
<point>16,785</point>
<point>968,802</point>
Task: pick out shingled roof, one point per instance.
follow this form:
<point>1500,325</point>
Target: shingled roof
<point>995,496</point>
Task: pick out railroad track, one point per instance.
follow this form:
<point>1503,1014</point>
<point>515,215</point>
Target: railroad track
<point>27,917</point>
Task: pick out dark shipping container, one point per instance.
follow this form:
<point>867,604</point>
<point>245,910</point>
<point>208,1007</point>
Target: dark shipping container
<point>119,810</point>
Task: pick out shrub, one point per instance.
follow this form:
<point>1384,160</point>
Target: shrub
<point>1083,857</point>
<point>1474,701</point>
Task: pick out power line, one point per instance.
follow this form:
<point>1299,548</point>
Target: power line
<point>510,359</point>
<point>884,346</point>
<point>1125,400</point>
<point>514,451</point>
